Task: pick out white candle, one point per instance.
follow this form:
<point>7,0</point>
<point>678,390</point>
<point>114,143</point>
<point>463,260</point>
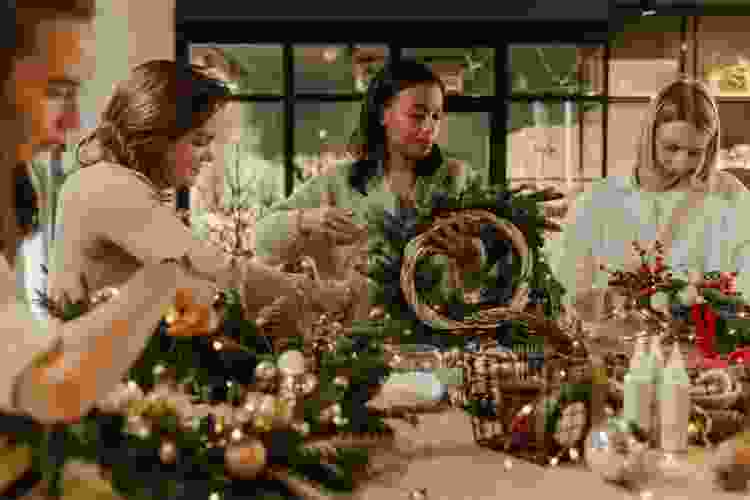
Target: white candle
<point>639,390</point>
<point>675,405</point>
<point>568,145</point>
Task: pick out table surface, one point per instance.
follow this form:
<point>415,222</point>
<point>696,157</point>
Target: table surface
<point>446,461</point>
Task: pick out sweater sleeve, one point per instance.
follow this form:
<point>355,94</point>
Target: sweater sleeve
<point>150,231</point>
<point>276,234</point>
<point>572,259</point>
<point>25,338</point>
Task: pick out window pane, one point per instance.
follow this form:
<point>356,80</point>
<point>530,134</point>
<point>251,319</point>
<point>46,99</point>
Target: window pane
<point>555,69</point>
<point>255,163</point>
<point>466,137</point>
<point>724,54</point>
<point>645,56</point>
<point>545,144</point>
<point>735,134</point>
<point>255,69</point>
<point>321,135</point>
<point>336,69</point>
<point>623,131</point>
<point>468,71</point>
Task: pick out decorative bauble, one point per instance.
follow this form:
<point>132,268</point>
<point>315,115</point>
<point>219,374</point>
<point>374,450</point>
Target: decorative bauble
<point>242,416</point>
<point>268,406</point>
<point>292,363</point>
<point>377,312</point>
<point>418,494</point>
<point>138,426</point>
<point>614,454</point>
<point>265,371</point>
<point>330,413</point>
<point>262,423</point>
<point>341,381</point>
<point>660,302</point>
<point>309,384</point>
<point>285,411</point>
<point>253,400</point>
<point>120,398</point>
<point>288,384</point>
<point>571,425</point>
<point>302,427</point>
<point>168,452</point>
<point>224,413</point>
<point>246,460</point>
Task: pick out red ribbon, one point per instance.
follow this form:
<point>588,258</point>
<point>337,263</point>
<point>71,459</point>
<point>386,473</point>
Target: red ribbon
<point>705,324</point>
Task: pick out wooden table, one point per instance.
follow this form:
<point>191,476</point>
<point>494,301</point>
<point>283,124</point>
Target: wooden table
<point>446,461</point>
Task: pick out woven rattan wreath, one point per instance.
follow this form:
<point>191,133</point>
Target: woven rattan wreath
<point>488,318</point>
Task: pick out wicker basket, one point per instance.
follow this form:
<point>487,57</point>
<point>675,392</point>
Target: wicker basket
<point>510,383</point>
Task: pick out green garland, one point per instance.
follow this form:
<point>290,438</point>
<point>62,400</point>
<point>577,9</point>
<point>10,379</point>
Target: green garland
<point>391,237</point>
<point>186,360</point>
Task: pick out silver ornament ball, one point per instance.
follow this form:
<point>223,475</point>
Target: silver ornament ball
<point>265,371</point>
<point>168,452</point>
<point>418,494</point>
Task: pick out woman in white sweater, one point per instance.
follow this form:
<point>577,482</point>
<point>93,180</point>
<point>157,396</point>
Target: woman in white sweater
<point>54,375</point>
<point>116,213</point>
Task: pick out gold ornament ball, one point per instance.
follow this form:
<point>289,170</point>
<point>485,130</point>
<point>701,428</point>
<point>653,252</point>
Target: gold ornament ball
<point>268,406</point>
<point>341,381</point>
<point>246,460</point>
<point>419,494</point>
<point>265,371</point>
<point>288,383</point>
<point>309,384</point>
<point>253,400</point>
<point>285,411</point>
<point>292,362</point>
<point>262,424</point>
<point>168,452</point>
<point>243,416</point>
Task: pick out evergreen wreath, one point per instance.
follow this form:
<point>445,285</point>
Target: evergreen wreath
<point>391,235</point>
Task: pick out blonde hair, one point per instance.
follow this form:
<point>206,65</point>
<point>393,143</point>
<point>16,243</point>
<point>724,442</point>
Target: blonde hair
<point>682,100</point>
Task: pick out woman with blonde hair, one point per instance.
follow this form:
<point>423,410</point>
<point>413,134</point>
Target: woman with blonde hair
<point>676,195</point>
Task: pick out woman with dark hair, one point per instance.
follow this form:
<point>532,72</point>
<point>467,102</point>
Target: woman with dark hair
<point>394,146</point>
<point>116,213</point>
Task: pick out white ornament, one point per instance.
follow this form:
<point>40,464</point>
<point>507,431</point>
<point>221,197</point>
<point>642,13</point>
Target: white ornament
<point>292,363</point>
<point>660,302</point>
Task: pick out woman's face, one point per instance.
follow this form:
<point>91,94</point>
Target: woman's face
<point>680,149</point>
<point>194,151</point>
<point>412,120</point>
<point>46,84</point>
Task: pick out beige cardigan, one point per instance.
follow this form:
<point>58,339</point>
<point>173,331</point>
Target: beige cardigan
<point>110,224</point>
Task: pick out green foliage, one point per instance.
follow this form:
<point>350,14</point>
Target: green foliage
<point>364,366</point>
<point>391,239</point>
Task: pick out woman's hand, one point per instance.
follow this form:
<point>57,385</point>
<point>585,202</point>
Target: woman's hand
<point>333,223</point>
<point>455,241</point>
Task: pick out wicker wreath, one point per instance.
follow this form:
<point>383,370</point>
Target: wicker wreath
<point>488,318</point>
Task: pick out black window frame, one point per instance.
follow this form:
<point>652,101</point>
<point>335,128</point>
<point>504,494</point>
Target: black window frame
<point>499,35</point>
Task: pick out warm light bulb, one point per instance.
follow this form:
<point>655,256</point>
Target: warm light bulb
<point>237,434</point>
